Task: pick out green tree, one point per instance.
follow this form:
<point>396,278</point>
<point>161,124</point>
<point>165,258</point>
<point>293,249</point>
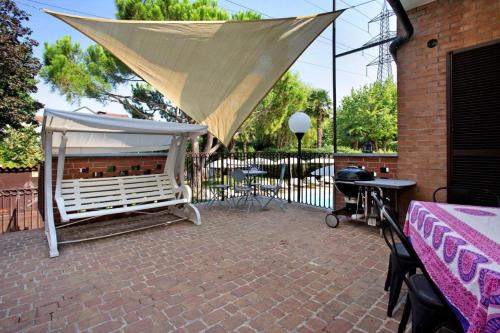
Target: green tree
<point>319,106</point>
<point>18,68</point>
<point>20,147</point>
<point>268,124</point>
<point>369,114</point>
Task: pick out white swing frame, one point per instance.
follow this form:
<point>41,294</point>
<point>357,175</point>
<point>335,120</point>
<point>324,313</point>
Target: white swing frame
<point>169,188</point>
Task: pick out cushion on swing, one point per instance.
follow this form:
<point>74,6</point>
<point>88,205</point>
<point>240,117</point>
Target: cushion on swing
<point>81,198</point>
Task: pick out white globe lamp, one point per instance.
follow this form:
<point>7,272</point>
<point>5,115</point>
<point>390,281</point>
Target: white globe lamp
<point>299,123</point>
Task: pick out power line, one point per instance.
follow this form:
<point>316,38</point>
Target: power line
<point>90,14</point>
<point>350,7</point>
<point>248,8</point>
<point>27,5</point>
<point>63,8</point>
<point>347,47</point>
<point>330,68</point>
<point>340,18</point>
<point>356,9</point>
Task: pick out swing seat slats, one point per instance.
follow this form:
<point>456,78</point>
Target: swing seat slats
<point>83,198</point>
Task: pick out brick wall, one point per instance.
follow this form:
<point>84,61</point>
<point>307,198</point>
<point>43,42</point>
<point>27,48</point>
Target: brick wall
<point>422,124</point>
<point>372,162</point>
<point>73,165</point>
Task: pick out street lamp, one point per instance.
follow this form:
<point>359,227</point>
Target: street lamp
<point>299,123</point>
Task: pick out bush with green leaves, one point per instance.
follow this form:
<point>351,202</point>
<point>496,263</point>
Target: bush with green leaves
<point>20,148</point>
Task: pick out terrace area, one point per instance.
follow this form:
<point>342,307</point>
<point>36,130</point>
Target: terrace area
<point>268,271</point>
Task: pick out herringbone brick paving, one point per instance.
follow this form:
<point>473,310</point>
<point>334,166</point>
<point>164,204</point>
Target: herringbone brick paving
<point>263,271</point>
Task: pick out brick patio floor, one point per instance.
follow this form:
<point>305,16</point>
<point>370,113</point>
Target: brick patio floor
<point>265,271</point>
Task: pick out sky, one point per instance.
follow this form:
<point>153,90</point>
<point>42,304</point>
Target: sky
<point>314,67</point>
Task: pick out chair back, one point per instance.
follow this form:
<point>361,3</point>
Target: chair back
<point>391,230</point>
<point>467,196</point>
<point>238,175</point>
<point>282,175</point>
<point>395,232</point>
<point>253,166</point>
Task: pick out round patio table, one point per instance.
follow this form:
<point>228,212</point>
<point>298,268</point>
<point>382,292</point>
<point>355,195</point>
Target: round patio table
<point>251,176</point>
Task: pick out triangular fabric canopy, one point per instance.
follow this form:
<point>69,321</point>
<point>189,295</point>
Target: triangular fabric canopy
<point>215,71</point>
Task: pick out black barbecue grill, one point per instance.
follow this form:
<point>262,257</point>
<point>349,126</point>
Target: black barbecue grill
<point>344,183</point>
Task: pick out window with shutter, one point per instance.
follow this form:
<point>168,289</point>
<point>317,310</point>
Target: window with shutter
<point>474,118</point>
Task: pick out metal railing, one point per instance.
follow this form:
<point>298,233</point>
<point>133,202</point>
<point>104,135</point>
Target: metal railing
<point>19,210</point>
<point>316,186</point>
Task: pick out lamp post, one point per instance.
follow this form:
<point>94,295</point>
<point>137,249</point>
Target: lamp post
<point>299,123</point>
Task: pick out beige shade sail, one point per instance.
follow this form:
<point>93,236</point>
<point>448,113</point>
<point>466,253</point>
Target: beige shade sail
<point>215,71</point>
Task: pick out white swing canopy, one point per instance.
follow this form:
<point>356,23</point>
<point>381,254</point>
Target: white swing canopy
<point>82,135</point>
<point>93,134</point>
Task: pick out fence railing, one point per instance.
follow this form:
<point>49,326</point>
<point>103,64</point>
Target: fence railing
<point>19,210</point>
<point>312,184</point>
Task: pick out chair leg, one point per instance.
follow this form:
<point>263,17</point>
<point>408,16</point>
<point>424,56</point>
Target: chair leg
<point>227,200</point>
<point>388,278</point>
<point>250,205</point>
<point>405,316</point>
<point>395,286</point>
<point>269,201</point>
<point>282,204</point>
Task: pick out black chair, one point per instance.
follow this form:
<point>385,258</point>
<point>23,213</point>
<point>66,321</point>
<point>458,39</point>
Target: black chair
<point>428,309</point>
<point>398,267</point>
<point>467,196</point>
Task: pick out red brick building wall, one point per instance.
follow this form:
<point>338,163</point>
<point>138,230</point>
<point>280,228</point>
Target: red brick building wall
<point>422,114</point>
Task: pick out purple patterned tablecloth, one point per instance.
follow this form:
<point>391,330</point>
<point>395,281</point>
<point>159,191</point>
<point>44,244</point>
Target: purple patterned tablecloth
<point>460,249</point>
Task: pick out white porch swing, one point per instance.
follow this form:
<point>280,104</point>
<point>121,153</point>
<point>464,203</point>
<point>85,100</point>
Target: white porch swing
<point>68,133</point>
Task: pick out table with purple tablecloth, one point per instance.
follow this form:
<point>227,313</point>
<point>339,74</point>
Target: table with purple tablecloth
<point>460,249</point>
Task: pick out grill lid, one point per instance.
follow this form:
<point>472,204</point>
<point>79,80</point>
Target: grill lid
<point>353,173</point>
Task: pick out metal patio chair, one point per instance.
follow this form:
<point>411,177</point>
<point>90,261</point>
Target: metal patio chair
<point>218,191</point>
<point>398,267</point>
<point>272,191</point>
<point>424,302</point>
<point>241,188</point>
<point>467,196</point>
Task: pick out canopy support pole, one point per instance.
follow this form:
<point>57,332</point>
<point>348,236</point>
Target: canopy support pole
<point>334,96</point>
<point>174,168</point>
<point>180,161</point>
<point>59,176</point>
<point>334,80</point>
<point>50,229</point>
<point>171,162</point>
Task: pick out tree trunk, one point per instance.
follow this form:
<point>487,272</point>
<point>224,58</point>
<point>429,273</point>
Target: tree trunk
<point>199,160</point>
<point>232,145</point>
<point>196,167</point>
<point>319,131</point>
